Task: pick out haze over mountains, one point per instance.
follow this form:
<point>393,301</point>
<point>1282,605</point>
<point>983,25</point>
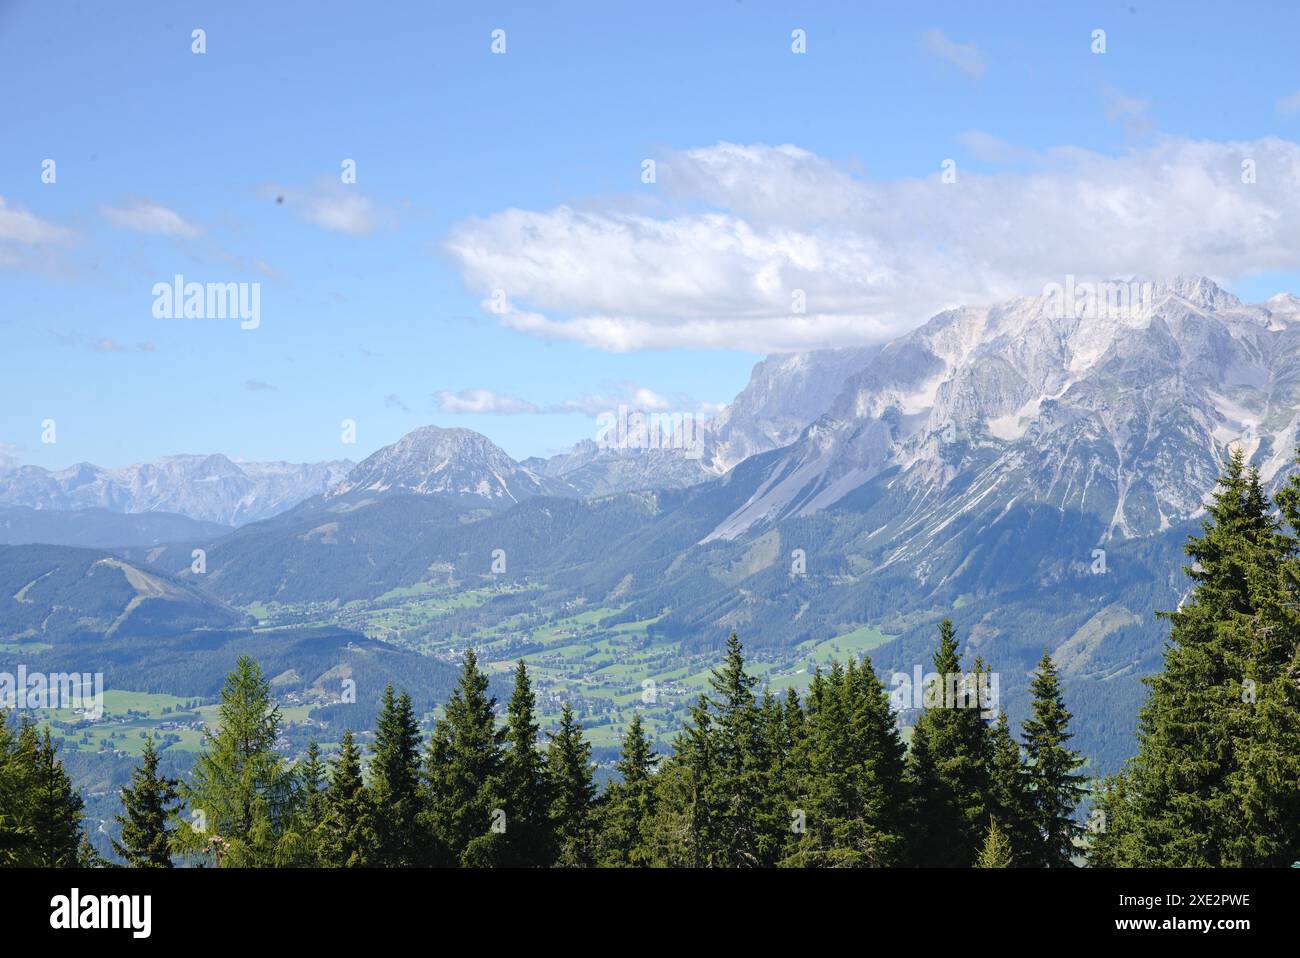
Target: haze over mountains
<point>1028,470</point>
<point>210,488</point>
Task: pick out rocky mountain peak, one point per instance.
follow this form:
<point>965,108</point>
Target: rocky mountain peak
<point>452,462</point>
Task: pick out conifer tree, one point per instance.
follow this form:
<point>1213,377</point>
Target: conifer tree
<point>55,809</point>
<point>347,836</point>
<point>1054,785</point>
<point>796,769</point>
<point>681,834</point>
<point>777,761</point>
<point>740,802</point>
<point>1009,797</point>
<point>462,768</point>
<point>1215,779</point>
<point>302,846</point>
<point>147,807</point>
<point>525,785</point>
<point>949,764</point>
<point>568,769</point>
<point>854,790</point>
<point>629,804</point>
<point>996,851</point>
<point>312,781</point>
<point>395,783</point>
<point>240,793</point>
<point>880,757</point>
<point>15,798</point>
<point>826,801</point>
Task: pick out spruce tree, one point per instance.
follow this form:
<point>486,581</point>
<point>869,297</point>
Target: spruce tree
<point>147,807</point>
<point>1215,778</point>
<point>949,764</point>
<point>777,748</point>
<point>311,777</point>
<point>826,798</point>
<point>881,757</point>
<point>854,789</point>
<point>568,769</point>
<point>525,786</point>
<point>794,771</point>
<point>395,783</point>
<point>15,799</point>
<point>55,811</point>
<point>681,832</point>
<point>347,836</point>
<point>629,804</point>
<point>1010,797</point>
<point>741,804</point>
<point>312,780</point>
<point>462,768</point>
<point>1054,785</point>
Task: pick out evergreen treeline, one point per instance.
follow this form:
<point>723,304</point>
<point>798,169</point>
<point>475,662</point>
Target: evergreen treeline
<point>754,780</point>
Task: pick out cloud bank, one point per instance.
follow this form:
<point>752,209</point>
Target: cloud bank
<point>774,248</point>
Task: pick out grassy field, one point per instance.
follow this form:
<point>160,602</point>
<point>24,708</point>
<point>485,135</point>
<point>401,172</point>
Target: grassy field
<point>606,671</point>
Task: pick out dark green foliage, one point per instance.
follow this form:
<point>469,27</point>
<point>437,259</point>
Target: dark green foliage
<point>1216,779</point>
<point>851,794</point>
<point>54,812</point>
<point>741,812</point>
<point>719,802</point>
<point>526,788</point>
<point>147,807</point>
<point>1010,798</point>
<point>312,780</point>
<point>347,838</point>
<point>395,783</point>
<point>628,805</point>
<point>462,768</point>
<point>40,812</point>
<point>681,832</point>
<point>949,766</point>
<point>15,821</point>
<point>1054,784</point>
<point>568,771</point>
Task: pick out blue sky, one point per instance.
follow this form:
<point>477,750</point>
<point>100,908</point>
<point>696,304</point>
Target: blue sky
<point>523,172</point>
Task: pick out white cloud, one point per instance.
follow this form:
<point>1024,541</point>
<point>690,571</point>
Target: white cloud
<point>966,57</point>
<point>113,346</point>
<point>628,394</point>
<point>329,205</point>
<point>146,216</point>
<point>1129,111</point>
<point>1289,103</point>
<point>988,148</point>
<point>756,224</point>
<point>257,386</point>
<point>590,404</point>
<point>20,226</point>
<point>103,344</point>
<point>482,401</point>
<point>8,456</point>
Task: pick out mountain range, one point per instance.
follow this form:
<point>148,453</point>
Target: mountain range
<point>1029,470</point>
<point>211,488</point>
